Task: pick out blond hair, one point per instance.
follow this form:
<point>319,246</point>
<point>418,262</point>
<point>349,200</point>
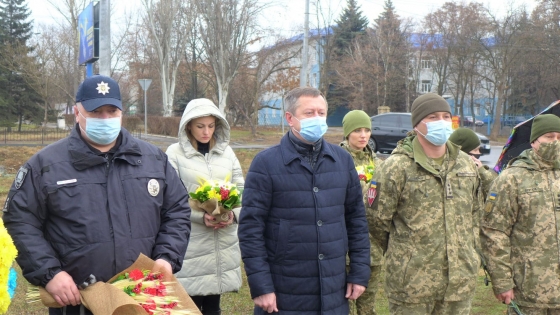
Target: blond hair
<point>192,139</point>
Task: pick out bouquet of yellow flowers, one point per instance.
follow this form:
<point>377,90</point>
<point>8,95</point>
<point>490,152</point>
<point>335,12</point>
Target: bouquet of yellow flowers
<point>216,197</point>
<point>365,173</point>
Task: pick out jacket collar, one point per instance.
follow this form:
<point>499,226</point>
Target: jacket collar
<point>364,156</point>
<point>82,157</point>
<point>411,147</point>
<point>530,160</point>
<point>289,152</point>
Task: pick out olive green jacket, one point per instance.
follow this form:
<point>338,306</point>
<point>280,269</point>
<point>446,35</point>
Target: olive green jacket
<point>521,231</point>
<point>363,158</point>
<point>426,219</point>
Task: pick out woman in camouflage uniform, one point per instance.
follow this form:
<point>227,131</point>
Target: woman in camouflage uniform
<point>357,131</point>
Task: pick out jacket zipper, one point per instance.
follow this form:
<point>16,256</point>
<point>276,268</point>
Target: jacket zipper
<point>216,232</point>
<point>107,169</point>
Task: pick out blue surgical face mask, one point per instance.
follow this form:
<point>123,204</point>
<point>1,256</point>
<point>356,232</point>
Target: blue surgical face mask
<point>312,129</point>
<point>438,132</point>
<point>102,131</point>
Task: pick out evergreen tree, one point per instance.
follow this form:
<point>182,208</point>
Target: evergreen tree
<point>17,99</point>
<point>392,50</point>
<point>350,25</point>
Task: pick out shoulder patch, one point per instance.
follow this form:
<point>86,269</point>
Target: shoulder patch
<point>372,192</point>
<point>5,209</point>
<point>20,177</point>
<point>490,202</point>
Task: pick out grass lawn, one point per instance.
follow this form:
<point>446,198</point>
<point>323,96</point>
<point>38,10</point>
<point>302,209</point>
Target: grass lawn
<point>240,303</point>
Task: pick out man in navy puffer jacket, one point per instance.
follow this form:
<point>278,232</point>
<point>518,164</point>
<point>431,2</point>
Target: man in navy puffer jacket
<point>302,213</point>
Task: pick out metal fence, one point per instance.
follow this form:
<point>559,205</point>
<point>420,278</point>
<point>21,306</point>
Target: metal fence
<point>39,136</point>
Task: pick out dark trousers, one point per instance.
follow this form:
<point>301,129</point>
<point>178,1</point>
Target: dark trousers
<point>70,310</point>
<point>208,304</point>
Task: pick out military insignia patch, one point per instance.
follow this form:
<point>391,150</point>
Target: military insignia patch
<point>103,88</point>
<point>153,187</point>
<point>20,177</point>
<point>372,192</point>
<point>490,202</point>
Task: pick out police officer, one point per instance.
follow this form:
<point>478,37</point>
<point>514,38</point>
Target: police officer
<point>426,217</point>
<point>92,202</point>
<point>520,226</point>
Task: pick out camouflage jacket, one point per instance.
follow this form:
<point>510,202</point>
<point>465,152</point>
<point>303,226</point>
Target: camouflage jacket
<point>487,176</point>
<point>426,219</point>
<point>520,231</point>
<point>363,158</point>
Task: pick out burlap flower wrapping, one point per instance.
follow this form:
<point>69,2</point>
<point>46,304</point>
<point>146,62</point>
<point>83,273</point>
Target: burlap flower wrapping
<point>212,207</point>
<point>103,298</point>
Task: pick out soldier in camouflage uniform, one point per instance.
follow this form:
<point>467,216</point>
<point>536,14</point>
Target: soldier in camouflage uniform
<point>470,144</point>
<point>357,131</point>
<point>520,228</point>
<point>426,217</point>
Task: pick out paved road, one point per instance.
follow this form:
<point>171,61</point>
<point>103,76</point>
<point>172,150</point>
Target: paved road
<point>492,158</point>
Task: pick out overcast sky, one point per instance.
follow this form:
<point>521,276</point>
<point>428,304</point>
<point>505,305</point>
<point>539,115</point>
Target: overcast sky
<point>285,16</point>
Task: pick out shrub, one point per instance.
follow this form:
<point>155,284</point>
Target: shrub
<point>166,126</point>
<point>133,123</point>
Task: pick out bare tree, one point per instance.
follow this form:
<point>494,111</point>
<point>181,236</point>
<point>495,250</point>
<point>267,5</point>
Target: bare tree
<point>501,50</point>
<point>227,28</point>
<point>440,46</point>
<point>419,45</point>
<point>357,71</point>
<point>168,22</point>
<point>69,10</point>
<point>259,79</point>
<point>466,24</point>
<point>324,39</point>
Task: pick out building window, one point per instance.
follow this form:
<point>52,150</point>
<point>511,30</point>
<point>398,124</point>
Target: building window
<point>426,64</point>
<point>426,86</point>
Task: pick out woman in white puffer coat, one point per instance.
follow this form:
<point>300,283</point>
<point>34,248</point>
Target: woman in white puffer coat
<point>212,262</point>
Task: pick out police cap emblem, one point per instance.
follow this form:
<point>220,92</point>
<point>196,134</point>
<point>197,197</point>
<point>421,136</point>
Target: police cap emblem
<point>103,88</point>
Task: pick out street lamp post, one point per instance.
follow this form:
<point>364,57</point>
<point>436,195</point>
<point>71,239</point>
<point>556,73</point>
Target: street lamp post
<point>145,84</point>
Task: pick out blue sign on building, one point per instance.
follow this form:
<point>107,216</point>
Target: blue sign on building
<point>88,35</point>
